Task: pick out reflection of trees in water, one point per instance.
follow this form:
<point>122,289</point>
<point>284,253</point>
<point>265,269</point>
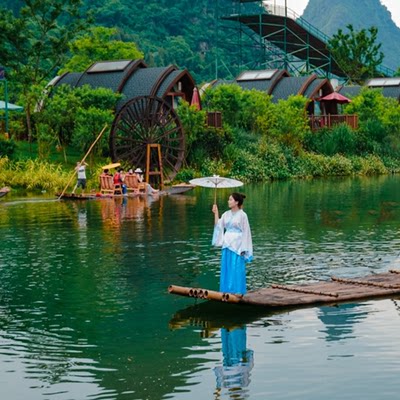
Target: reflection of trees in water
<point>339,320</point>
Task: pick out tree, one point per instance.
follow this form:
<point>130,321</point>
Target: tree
<point>76,115</point>
<point>34,45</point>
<point>357,53</point>
<point>99,44</point>
<point>291,123</point>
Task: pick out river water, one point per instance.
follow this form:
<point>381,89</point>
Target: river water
<point>85,312</point>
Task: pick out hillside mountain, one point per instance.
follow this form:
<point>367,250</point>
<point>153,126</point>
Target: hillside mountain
<point>191,34</point>
<point>331,15</point>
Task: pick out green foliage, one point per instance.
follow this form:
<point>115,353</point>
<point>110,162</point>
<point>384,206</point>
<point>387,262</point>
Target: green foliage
<point>257,112</point>
<point>339,140</point>
<point>251,110</point>
<point>357,52</point>
<point>89,123</point>
<point>193,122</point>
<point>228,100</point>
<point>369,165</point>
<point>210,145</point>
<point>78,115</point>
<point>185,175</point>
<point>58,114</point>
<point>99,44</point>
<point>34,44</point>
<point>368,105</point>
<point>291,124</point>
<point>32,175</point>
<point>213,167</point>
<point>45,139</point>
<point>7,147</point>
<point>379,122</point>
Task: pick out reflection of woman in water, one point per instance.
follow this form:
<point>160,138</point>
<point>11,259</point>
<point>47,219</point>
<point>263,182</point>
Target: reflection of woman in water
<point>232,233</point>
<point>237,363</point>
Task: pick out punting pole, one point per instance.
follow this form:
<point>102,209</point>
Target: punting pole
<point>83,159</point>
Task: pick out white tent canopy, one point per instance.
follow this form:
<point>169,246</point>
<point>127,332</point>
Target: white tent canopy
<point>10,106</point>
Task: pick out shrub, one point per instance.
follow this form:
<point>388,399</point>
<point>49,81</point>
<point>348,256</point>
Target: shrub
<point>339,140</point>
<point>369,165</point>
<point>314,164</point>
<point>33,174</point>
<point>7,147</point>
<point>185,175</point>
<point>339,165</point>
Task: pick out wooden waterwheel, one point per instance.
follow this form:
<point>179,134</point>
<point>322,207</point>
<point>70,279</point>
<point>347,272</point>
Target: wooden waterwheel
<point>143,121</point>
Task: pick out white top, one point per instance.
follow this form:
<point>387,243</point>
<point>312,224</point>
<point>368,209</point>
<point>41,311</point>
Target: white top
<point>233,232</point>
<point>140,177</point>
<point>81,172</point>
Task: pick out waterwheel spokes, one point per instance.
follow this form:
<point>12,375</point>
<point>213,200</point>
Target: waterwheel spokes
<point>148,120</point>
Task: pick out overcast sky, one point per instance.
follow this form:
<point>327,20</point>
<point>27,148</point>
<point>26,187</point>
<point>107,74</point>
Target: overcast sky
<point>299,5</point>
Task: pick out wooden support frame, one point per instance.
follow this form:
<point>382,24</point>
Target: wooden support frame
<point>159,167</point>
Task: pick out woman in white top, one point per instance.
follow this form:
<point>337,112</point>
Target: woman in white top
<point>232,233</point>
<point>149,189</point>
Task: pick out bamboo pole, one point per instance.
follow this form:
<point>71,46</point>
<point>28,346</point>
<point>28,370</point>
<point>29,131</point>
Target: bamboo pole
<point>181,290</point>
<point>231,298</point>
<point>83,159</point>
<point>213,295</point>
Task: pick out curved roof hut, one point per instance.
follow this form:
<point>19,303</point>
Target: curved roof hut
<point>349,91</point>
<point>146,115</point>
<point>280,85</point>
<point>390,87</point>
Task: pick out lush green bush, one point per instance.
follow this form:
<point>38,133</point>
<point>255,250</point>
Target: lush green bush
<point>76,116</point>
<point>7,147</point>
<point>228,99</point>
<point>392,165</point>
<point>32,174</point>
<point>186,174</point>
<point>369,165</point>
<point>339,140</point>
<point>291,124</point>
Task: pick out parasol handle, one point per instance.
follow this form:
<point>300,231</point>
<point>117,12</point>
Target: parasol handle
<point>215,195</point>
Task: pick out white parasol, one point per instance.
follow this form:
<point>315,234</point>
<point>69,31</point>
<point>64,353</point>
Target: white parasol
<point>216,182</point>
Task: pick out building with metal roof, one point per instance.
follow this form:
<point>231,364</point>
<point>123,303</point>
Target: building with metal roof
<point>280,85</point>
<point>390,87</point>
<point>146,113</point>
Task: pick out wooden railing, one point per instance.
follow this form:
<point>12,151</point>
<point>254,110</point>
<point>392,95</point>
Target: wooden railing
<point>328,121</point>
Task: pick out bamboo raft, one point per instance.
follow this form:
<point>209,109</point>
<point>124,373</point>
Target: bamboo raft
<point>337,290</point>
<point>173,190</point>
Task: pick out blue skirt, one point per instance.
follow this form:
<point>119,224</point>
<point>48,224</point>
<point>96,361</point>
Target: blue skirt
<point>233,273</point>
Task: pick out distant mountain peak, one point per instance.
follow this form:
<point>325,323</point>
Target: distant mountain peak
<point>329,16</point>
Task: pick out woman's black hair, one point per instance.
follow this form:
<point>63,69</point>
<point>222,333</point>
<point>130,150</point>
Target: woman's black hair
<point>239,197</point>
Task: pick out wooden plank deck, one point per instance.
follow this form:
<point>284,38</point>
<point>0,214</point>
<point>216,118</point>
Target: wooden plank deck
<point>337,290</point>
